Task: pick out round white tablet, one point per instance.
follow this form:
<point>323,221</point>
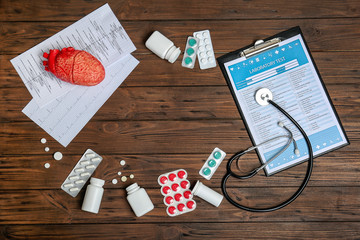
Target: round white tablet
<point>131,176</point>
<point>122,162</point>
<point>47,165</point>
<point>123,178</point>
<point>58,156</point>
<point>43,140</point>
<point>114,181</point>
<point>119,173</point>
<point>47,149</point>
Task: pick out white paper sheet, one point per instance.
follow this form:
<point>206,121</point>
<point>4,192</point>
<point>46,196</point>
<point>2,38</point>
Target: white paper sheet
<point>64,118</point>
<point>99,33</point>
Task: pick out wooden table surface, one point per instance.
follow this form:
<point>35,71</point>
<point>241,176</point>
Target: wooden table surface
<point>165,117</point>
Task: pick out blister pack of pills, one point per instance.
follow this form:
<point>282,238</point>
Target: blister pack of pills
<point>176,191</point>
<point>212,163</point>
<point>190,52</point>
<point>205,51</point>
<point>82,171</point>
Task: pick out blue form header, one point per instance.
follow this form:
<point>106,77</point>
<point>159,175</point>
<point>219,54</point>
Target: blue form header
<point>268,64</point>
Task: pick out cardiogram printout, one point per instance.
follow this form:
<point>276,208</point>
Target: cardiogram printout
<point>63,109</point>
<point>289,73</point>
<point>99,33</point>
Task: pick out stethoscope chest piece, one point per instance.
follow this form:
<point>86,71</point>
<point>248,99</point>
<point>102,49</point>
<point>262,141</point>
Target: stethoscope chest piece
<point>263,95</point>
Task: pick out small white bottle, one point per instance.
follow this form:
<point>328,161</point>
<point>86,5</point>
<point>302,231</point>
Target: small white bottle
<point>162,47</point>
<point>93,195</point>
<point>139,200</point>
<point>207,194</point>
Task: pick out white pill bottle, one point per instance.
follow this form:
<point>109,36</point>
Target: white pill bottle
<point>162,47</point>
<point>93,195</point>
<point>139,200</point>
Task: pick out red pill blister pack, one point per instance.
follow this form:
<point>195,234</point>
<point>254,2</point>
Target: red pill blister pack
<point>176,191</point>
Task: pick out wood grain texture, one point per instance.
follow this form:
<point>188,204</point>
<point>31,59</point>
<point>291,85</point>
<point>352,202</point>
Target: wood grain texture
<point>165,117</point>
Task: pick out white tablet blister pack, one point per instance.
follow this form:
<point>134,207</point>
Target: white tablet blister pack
<point>84,168</point>
<point>205,51</point>
<point>190,52</point>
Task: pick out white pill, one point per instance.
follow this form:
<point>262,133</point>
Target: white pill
<point>43,140</point>
<point>209,53</point>
<point>206,40</point>
<point>131,176</point>
<point>47,149</point>
<point>123,178</point>
<point>198,35</point>
<point>210,59</point>
<point>90,155</point>
<point>90,167</point>
<point>202,54</point>
<point>68,185</point>
<point>72,178</point>
<point>119,173</point>
<point>208,47</point>
<point>84,174</point>
<point>122,162</point>
<point>86,162</point>
<point>201,48</point>
<point>58,156</point>
<point>79,170</point>
<point>47,165</point>
<point>74,189</point>
<point>95,159</point>
<point>114,181</point>
<point>205,34</point>
<point>79,181</point>
<point>203,60</point>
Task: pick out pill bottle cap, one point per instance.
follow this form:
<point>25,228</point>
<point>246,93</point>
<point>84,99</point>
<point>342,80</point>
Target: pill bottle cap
<point>97,181</point>
<point>172,54</point>
<point>132,188</point>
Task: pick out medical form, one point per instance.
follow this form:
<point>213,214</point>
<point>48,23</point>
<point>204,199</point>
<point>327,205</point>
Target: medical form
<point>288,71</point>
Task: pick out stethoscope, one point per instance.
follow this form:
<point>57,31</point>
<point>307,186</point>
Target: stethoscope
<point>264,97</point>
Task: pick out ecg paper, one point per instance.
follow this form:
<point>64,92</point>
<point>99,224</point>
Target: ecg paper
<point>64,118</point>
<point>63,109</point>
<point>99,33</point>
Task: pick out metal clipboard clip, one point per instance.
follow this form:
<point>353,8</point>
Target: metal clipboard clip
<point>260,46</point>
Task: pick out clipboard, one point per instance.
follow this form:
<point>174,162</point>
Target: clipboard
<point>283,63</point>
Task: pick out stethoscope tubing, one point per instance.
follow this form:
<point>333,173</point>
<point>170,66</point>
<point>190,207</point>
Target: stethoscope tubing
<point>255,171</point>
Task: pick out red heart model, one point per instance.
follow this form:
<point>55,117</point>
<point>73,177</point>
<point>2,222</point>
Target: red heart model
<point>74,66</point>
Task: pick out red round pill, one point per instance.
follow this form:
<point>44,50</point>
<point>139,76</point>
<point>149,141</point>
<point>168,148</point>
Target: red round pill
<point>171,210</point>
<point>172,176</point>
<point>175,187</point>
<point>178,197</point>
<point>181,174</point>
<point>166,190</point>
<point>187,194</point>
<point>181,207</point>
<point>169,200</point>
<point>190,204</point>
<point>163,179</point>
<point>185,184</point>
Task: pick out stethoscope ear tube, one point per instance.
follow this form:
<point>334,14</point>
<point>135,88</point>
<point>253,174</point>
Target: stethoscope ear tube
<point>255,171</point>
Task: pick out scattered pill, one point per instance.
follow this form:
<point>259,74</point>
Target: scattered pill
<point>131,176</point>
<point>47,165</point>
<point>47,149</point>
<point>123,178</point>
<point>114,181</point>
<point>58,156</point>
<point>122,162</point>
<point>119,173</point>
<point>43,140</point>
